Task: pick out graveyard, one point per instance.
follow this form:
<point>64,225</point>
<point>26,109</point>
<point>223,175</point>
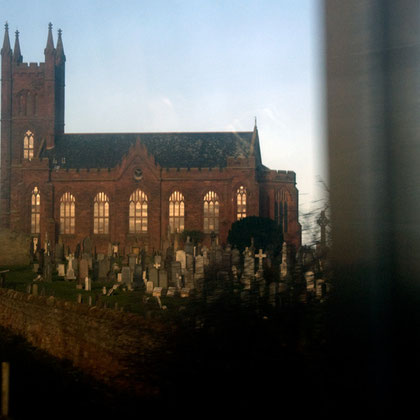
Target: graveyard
<point>217,308</point>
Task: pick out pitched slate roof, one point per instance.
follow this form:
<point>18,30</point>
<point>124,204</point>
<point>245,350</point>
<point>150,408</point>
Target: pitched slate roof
<point>171,150</point>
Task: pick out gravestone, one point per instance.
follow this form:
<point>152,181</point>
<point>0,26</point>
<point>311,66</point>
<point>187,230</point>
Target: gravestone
<point>171,292</point>
<point>185,292</point>
<point>189,246</point>
<point>59,252</point>
<point>70,275</point>
<point>175,271</point>
<point>157,260</point>
<point>320,288</point>
<point>35,289</point>
<point>249,267</point>
<point>181,258</point>
<point>157,291</point>
<point>104,290</point>
<point>88,283</point>
<point>83,269</point>
<point>61,268</point>
<point>219,255</point>
<point>226,257</point>
<point>189,262</point>
<point>310,281</point>
<point>137,274</point>
<point>163,279</point>
<point>205,252</point>
<point>132,261</point>
<point>119,277</point>
<point>103,268</point>
<point>154,276</point>
<point>149,287</point>
<point>236,257</point>
<point>126,275</point>
<point>35,268</point>
<point>199,267</point>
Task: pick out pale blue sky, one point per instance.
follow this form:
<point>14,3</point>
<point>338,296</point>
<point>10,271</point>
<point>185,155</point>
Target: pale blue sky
<point>190,65</point>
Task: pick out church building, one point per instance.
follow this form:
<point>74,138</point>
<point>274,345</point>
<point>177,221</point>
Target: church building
<point>125,189</point>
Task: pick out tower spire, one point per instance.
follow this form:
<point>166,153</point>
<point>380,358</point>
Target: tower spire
<point>6,42</point>
<point>60,57</point>
<point>17,56</point>
<point>50,43</point>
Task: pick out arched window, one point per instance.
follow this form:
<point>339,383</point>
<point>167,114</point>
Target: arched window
<point>176,212</point>
<point>35,211</point>
<point>101,214</point>
<point>67,213</point>
<point>240,203</point>
<point>281,209</point>
<point>28,145</point>
<point>211,212</point>
<point>138,212</point>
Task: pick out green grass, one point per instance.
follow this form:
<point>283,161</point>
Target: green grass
<point>19,278</point>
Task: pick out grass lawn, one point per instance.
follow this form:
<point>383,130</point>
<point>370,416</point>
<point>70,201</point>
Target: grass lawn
<point>136,301</point>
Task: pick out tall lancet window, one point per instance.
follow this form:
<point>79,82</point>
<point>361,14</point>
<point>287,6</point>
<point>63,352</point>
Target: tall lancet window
<point>211,212</point>
<point>281,209</point>
<point>28,146</point>
<point>240,203</point>
<point>67,213</point>
<point>35,211</point>
<point>101,214</point>
<point>137,220</point>
<point>176,212</point>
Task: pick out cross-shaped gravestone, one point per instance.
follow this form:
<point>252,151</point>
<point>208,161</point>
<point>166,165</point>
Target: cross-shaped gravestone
<point>260,257</point>
<point>156,265</point>
<point>323,223</point>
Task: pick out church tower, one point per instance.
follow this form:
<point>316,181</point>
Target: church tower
<point>32,111</point>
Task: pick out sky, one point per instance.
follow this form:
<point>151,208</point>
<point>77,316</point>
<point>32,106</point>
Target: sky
<point>191,65</point>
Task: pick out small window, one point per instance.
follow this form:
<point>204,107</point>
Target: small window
<point>67,214</point>
<point>137,220</point>
<point>176,212</point>
<point>35,211</point>
<point>211,212</point>
<point>241,203</point>
<point>281,209</point>
<point>101,214</point>
<point>28,146</point>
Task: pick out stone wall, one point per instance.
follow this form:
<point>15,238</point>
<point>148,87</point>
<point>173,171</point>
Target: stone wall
<point>114,347</point>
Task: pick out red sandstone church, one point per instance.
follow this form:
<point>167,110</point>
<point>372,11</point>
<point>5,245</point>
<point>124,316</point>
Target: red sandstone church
<point>123,188</point>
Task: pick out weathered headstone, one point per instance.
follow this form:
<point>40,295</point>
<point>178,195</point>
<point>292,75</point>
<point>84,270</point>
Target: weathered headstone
<point>59,252</point>
<point>181,258</point>
<point>83,269</point>
<point>88,283</point>
<point>126,275</point>
<point>61,268</point>
<point>157,291</point>
<point>154,276</point>
<point>171,292</point>
<point>103,268</point>
<point>87,246</point>
<point>35,289</point>
<point>175,271</point>
<point>236,257</point>
<point>185,292</point>
<point>199,267</point>
<point>163,279</point>
<point>48,267</point>
<point>149,287</point>
<point>132,261</point>
<point>249,267</point>
<point>189,262</point>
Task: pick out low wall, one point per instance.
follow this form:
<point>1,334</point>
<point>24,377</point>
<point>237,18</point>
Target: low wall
<point>114,347</point>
